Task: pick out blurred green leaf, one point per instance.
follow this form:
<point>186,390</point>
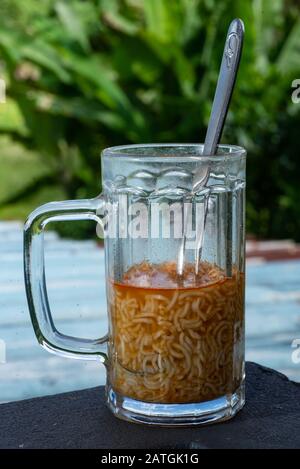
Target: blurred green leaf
<point>268,18</point>
<point>79,108</point>
<point>10,45</point>
<point>46,56</point>
<point>110,10</point>
<point>11,118</point>
<point>99,79</point>
<point>164,20</point>
<point>288,59</point>
<point>73,24</point>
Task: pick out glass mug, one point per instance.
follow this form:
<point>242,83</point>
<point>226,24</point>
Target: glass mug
<point>174,255</point>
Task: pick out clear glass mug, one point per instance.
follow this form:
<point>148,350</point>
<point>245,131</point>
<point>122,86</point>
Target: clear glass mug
<point>174,258</point>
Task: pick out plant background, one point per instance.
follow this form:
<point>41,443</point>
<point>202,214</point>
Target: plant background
<point>85,74</point>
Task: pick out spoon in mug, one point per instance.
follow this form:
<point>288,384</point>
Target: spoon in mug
<point>226,81</point>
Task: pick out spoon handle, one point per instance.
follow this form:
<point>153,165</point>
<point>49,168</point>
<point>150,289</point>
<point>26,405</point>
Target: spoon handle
<point>227,77</point>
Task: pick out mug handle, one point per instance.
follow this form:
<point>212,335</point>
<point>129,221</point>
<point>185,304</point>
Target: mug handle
<point>35,281</point>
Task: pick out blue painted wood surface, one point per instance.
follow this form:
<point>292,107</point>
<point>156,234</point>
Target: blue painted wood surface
<point>76,287</point>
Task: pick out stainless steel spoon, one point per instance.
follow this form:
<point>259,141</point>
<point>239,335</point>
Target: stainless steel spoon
<point>226,81</point>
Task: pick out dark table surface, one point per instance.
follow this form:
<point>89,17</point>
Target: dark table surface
<point>270,419</point>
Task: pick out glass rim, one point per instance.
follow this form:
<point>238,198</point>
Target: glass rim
<point>137,151</point>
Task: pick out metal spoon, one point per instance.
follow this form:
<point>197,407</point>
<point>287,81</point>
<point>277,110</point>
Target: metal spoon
<point>226,81</point>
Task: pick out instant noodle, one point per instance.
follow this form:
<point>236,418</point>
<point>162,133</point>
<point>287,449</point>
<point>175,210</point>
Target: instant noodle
<point>176,340</point>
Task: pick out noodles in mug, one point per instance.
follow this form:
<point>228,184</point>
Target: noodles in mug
<point>174,340</point>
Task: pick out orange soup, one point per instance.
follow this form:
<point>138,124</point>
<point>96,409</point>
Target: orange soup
<point>176,340</point>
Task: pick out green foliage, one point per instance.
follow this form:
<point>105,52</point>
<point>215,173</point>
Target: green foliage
<point>83,75</point>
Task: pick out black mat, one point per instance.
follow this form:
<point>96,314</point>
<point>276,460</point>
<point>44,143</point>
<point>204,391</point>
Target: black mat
<point>270,419</point>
